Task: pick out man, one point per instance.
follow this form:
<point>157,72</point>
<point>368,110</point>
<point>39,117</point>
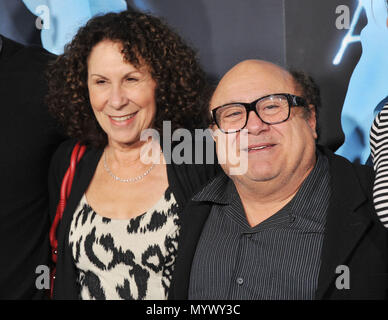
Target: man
<point>28,138</point>
<point>299,223</point>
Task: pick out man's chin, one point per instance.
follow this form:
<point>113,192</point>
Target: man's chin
<point>262,178</point>
<point>261,171</point>
<point>258,176</point>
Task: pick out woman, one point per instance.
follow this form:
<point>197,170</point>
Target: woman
<point>379,153</point>
<point>121,74</point>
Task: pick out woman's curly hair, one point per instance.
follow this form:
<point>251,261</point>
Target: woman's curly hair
<point>181,90</point>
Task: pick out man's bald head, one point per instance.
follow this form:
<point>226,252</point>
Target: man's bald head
<point>247,76</point>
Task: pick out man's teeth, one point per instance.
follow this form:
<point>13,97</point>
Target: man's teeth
<point>124,117</point>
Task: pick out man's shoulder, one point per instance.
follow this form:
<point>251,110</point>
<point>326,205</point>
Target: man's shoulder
<point>347,171</point>
<point>17,55</point>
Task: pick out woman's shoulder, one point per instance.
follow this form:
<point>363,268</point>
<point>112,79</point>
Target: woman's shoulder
<point>382,116</point>
<point>63,152</point>
<point>65,147</point>
<point>61,158</point>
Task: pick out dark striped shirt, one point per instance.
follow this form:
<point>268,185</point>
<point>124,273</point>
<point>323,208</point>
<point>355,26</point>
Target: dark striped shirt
<point>277,259</point>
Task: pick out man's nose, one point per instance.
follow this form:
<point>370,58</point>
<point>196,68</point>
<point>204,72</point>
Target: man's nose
<point>118,97</point>
<point>254,124</point>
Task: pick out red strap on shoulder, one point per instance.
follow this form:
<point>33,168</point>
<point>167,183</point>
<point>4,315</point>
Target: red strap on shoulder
<point>65,190</point>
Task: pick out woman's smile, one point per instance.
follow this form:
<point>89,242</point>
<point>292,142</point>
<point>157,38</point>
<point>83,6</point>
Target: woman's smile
<point>123,120</point>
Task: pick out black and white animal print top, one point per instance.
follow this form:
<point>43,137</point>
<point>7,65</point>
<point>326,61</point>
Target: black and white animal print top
<point>125,259</point>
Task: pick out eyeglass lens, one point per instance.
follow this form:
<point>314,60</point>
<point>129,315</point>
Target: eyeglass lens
<point>272,109</point>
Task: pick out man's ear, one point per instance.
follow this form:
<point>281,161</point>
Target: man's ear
<point>211,127</point>
<point>312,120</point>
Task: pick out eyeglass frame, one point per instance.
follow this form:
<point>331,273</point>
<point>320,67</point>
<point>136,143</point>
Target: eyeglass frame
<point>293,101</point>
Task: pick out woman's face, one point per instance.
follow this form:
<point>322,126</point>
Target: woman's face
<point>122,97</point>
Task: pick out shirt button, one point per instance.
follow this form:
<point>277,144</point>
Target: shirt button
<point>240,281</point>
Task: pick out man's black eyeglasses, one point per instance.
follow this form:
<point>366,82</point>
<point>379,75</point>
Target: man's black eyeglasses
<point>271,109</point>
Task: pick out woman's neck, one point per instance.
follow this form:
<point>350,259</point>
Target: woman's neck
<point>125,155</point>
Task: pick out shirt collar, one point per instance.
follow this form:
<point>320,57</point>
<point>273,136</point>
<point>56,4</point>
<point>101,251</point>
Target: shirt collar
<point>220,190</point>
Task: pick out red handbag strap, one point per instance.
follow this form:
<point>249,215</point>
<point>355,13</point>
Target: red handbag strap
<point>67,182</point>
